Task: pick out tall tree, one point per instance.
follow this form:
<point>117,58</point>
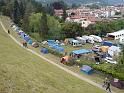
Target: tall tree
<point>16,12</point>
<point>44,27</point>
<point>21,9</point>
<point>64,16</point>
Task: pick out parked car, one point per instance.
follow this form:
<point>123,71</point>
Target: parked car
<point>110,60</point>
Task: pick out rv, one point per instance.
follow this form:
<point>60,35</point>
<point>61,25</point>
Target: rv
<point>121,40</point>
<point>116,35</point>
<point>96,38</point>
<point>81,40</point>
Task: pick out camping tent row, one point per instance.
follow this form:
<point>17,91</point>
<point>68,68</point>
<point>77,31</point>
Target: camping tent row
<point>55,46</point>
<point>22,34</point>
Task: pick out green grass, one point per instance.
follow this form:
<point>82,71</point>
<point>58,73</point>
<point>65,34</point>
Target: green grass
<point>23,72</point>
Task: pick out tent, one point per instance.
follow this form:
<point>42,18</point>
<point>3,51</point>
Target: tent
<point>104,48</point>
<point>107,43</point>
<point>26,38</point>
<point>35,44</point>
<point>60,49</point>
<point>117,83</point>
<point>44,50</point>
<point>82,51</point>
<point>51,41</point>
<point>65,59</point>
<point>114,50</point>
<point>86,69</point>
<point>30,42</point>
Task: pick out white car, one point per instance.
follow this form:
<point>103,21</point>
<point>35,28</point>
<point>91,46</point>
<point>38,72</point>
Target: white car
<point>110,60</point>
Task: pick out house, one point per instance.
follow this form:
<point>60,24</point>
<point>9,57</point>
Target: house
<point>116,35</point>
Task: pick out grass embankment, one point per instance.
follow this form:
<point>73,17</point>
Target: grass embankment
<point>23,72</point>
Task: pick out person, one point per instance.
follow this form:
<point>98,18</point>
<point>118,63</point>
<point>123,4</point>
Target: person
<point>8,32</point>
<point>108,86</point>
<point>105,82</point>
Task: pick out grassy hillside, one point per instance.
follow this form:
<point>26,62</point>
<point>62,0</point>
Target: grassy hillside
<point>23,72</point>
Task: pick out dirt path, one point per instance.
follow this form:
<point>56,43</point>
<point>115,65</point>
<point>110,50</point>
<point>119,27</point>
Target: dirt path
<point>63,68</point>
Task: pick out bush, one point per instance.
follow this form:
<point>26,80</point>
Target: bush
<point>105,68</point>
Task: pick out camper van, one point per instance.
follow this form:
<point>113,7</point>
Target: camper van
<point>121,40</point>
<point>96,38</point>
<point>88,39</point>
<point>116,35</point>
<point>81,40</point>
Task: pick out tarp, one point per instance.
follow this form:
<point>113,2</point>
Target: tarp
<point>107,43</point>
<point>51,41</point>
<point>104,48</point>
<point>60,49</point>
<point>86,69</point>
<point>82,51</point>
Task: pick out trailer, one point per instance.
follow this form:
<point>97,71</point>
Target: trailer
<point>96,38</point>
<point>81,40</point>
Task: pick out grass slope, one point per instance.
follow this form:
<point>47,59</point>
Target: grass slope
<point>23,72</point>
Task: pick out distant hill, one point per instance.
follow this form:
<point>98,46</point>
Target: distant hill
<point>86,1</point>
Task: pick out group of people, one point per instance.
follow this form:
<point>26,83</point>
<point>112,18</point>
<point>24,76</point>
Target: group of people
<point>107,84</point>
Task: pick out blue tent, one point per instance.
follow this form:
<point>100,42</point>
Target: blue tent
<point>86,69</point>
<point>44,50</point>
<point>22,35</point>
<point>60,49</point>
<point>26,38</point>
<point>51,41</point>
<point>30,42</point>
<point>107,43</point>
<point>82,51</point>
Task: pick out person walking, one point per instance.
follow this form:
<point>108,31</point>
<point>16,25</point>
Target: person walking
<point>108,86</point>
<point>105,82</point>
<point>8,31</point>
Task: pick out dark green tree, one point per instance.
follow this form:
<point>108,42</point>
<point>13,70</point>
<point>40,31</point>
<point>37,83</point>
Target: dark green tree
<point>16,12</point>
<point>21,9</point>
<point>71,30</point>
<point>44,27</point>
<point>64,16</point>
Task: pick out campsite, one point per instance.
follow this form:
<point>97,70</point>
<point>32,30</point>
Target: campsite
<point>57,46</point>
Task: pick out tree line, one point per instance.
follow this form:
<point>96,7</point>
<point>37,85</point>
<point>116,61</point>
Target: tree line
<point>35,18</point>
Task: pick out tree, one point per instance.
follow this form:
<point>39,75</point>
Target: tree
<point>64,16</point>
<point>71,30</point>
<point>22,9</point>
<point>16,12</point>
<point>44,27</point>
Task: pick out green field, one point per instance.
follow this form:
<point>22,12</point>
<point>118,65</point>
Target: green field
<point>23,72</point>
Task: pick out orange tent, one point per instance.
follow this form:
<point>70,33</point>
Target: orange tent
<point>104,48</point>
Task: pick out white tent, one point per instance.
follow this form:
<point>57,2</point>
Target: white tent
<point>114,50</point>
